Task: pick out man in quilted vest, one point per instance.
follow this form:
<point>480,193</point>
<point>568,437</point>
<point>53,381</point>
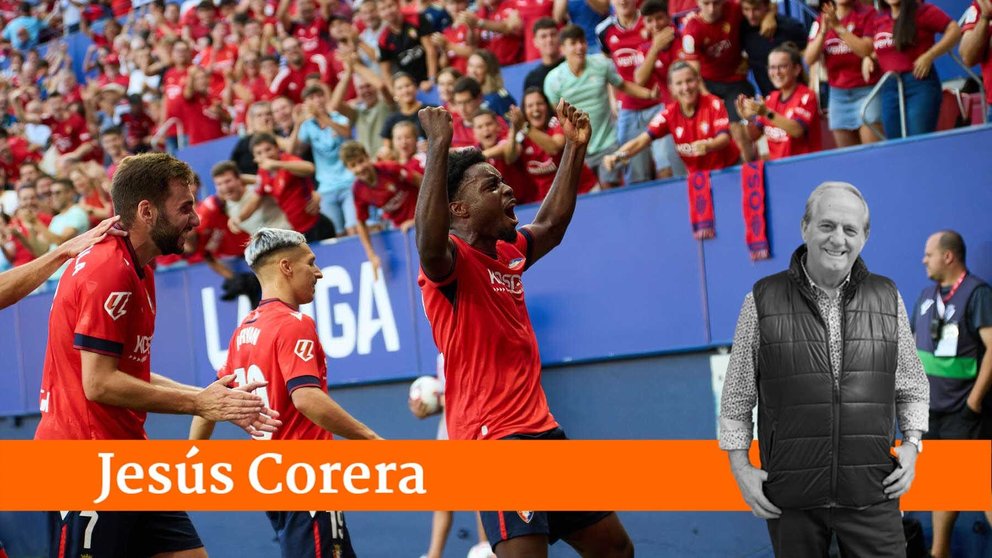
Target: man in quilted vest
<point>825,351</point>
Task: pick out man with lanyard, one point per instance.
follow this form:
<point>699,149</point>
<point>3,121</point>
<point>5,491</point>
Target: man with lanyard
<point>953,326</point>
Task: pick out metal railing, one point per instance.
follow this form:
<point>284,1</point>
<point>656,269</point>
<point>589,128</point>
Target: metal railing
<point>874,93</point>
<point>981,86</point>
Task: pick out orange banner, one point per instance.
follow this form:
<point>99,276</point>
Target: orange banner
<point>422,475</point>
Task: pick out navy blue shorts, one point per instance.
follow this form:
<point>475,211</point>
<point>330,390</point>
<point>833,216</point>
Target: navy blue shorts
<point>505,525</point>
<point>320,534</point>
<point>119,534</point>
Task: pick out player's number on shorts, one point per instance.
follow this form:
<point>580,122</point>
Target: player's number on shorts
<point>254,374</point>
<point>90,525</point>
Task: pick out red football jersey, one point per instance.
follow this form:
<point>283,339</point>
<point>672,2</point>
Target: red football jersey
<point>801,107</point>
<point>199,123</point>
<point>291,192</point>
<point>491,362</point>
<point>105,303</point>
<point>68,134</point>
<point>843,66</point>
<point>970,21</point>
<point>542,167</point>
<point>215,236</point>
<point>622,45</point>
<point>507,48</point>
<point>717,45</point>
<point>290,81</point>
<point>312,36</point>
<point>173,83</point>
<point>458,35</point>
<point>709,120</point>
<point>393,192</point>
<point>664,61</point>
<point>278,344</point>
<point>930,20</point>
<point>530,11</point>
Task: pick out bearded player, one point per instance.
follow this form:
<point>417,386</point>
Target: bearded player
<point>472,257</point>
<point>276,344</point>
<point>97,382</point>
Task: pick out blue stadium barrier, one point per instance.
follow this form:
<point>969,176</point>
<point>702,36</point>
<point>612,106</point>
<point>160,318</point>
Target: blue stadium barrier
<point>629,279</point>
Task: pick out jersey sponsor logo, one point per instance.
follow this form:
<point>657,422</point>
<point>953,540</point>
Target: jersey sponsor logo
<point>506,282</point>
<point>248,335</point>
<point>304,349</point>
<point>142,344</point>
<point>538,168</point>
<point>525,516</point>
<point>776,134</point>
<point>883,40</point>
<point>116,304</point>
<point>628,57</point>
<point>835,46</point>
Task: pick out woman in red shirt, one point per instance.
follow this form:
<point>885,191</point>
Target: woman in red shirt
<point>904,39</point>
<point>698,121</point>
<point>839,36</point>
<point>538,145</point>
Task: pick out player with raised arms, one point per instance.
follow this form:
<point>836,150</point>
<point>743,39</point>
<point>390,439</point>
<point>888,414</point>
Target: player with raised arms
<point>277,346</point>
<point>472,258</point>
<point>97,382</point>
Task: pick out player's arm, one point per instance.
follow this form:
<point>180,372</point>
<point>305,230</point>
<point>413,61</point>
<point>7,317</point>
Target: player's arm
<point>20,281</point>
<point>251,204</point>
<point>432,217</point>
<point>104,383</point>
<point>553,217</point>
<point>169,383</point>
<point>366,240</point>
<point>638,91</point>
<point>318,406</point>
<point>201,428</point>
<point>976,40</point>
<point>299,168</point>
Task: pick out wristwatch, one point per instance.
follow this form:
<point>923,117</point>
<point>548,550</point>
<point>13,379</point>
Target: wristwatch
<point>915,441</point>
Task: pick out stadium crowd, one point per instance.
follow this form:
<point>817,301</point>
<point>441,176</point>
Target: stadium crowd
<point>325,94</point>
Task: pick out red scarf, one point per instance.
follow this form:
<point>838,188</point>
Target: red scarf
<point>753,202</point>
<point>701,205</point>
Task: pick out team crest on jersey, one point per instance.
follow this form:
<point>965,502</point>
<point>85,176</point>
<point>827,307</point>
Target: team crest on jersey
<point>614,39</point>
<point>116,304</point>
<point>516,262</point>
<point>679,130</point>
<point>526,516</point>
<point>304,349</point>
<point>704,127</point>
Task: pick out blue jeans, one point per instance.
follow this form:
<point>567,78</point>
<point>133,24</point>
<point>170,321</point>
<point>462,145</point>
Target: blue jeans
<point>339,206</point>
<point>922,105</point>
<point>630,124</point>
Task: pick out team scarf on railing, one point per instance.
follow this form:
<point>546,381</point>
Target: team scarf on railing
<point>753,203</point>
<point>701,205</point>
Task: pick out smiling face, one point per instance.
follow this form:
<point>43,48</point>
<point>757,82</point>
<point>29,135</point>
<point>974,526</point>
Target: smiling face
<point>536,110</point>
<point>176,219</point>
<point>362,167</point>
<point>684,85</point>
<point>835,234</point>
<point>781,71</point>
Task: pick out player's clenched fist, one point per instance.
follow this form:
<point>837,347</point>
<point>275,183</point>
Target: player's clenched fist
<point>436,123</point>
<point>217,402</point>
<point>574,123</point>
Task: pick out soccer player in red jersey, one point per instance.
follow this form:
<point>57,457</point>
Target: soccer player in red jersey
<point>698,121</point>
<point>788,117</point>
<point>289,180</point>
<point>277,346</point>
<point>97,382</point>
<point>472,258</point>
<point>309,27</point>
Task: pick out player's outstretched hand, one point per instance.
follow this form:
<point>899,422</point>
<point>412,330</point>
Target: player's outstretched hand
<point>218,402</point>
<point>574,123</point>
<point>77,244</point>
<point>436,122</point>
<point>265,422</point>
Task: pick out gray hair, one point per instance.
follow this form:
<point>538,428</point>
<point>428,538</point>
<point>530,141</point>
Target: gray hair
<point>266,241</point>
<point>822,189</point>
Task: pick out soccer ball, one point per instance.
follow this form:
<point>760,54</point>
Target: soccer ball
<point>481,550</point>
<point>427,389</point>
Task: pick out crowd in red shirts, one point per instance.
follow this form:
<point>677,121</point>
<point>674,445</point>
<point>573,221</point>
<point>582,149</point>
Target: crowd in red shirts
<point>311,74</point>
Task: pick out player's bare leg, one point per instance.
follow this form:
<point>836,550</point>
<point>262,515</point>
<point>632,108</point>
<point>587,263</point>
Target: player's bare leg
<point>604,539</point>
<point>192,553</point>
<point>528,546</point>
<point>440,527</point>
